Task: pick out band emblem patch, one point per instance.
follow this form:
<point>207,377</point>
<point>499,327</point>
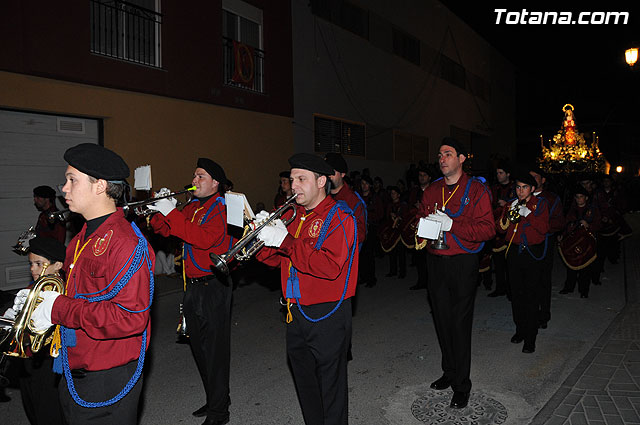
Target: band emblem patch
<point>101,244</point>
<point>314,228</point>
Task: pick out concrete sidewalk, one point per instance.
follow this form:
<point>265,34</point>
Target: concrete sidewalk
<point>584,369</point>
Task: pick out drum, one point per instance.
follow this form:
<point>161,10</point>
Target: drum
<point>409,228</point>
<point>389,235</point>
<point>578,248</point>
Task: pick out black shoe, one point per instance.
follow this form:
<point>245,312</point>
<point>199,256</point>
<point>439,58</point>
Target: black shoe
<point>496,293</point>
<point>565,291</point>
<point>441,384</point>
<point>211,421</point>
<point>516,339</point>
<point>459,400</point>
<point>529,348</point>
<point>200,412</point>
<point>416,287</point>
<point>584,295</point>
<point>597,283</point>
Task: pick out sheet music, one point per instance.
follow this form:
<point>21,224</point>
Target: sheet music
<point>237,208</point>
<point>142,178</point>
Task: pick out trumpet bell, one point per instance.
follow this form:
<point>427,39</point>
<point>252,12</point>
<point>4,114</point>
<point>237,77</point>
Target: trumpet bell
<point>18,338</point>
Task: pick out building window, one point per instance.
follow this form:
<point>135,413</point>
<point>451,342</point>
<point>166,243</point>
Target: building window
<point>452,72</point>
<point>406,46</point>
<point>243,54</point>
<point>127,30</point>
<point>344,14</point>
<point>336,135</point>
<point>410,147</point>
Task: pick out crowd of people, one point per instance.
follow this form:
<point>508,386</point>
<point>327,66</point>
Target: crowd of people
<point>459,231</point>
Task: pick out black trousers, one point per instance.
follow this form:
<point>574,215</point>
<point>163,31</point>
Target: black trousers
<point>421,266</point>
<point>207,311</point>
<point>398,260</point>
<point>367,266</point>
<point>545,287</point>
<point>99,386</point>
<point>452,284</point>
<point>582,277</point>
<point>525,274</point>
<point>502,274</point>
<point>39,390</point>
<point>317,354</point>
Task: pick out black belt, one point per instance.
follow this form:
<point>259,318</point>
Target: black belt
<point>203,280</point>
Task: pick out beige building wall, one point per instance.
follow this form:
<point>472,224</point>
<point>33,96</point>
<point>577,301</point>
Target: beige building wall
<point>168,134</point>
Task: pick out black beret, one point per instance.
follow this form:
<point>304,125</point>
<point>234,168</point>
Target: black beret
<point>285,174</point>
<point>44,192</point>
<point>504,166</point>
<point>97,161</point>
<point>49,248</point>
<point>536,169</point>
<point>311,162</point>
<point>580,190</point>
<point>337,162</point>
<point>458,146</point>
<point>367,179</point>
<point>214,169</point>
<point>523,176</point>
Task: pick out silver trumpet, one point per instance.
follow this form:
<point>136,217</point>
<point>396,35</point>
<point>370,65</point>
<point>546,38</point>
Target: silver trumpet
<point>22,246</point>
<point>140,207</point>
<point>246,247</point>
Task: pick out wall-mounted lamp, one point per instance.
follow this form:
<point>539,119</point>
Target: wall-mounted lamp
<point>631,56</point>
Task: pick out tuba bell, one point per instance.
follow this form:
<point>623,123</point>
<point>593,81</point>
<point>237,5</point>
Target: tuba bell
<point>19,338</point>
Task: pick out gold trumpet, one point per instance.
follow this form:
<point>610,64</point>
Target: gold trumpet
<point>514,213</point>
<point>21,336</point>
<point>242,251</point>
<point>139,206</point>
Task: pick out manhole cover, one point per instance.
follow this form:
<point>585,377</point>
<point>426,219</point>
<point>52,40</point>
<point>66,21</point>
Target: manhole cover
<point>433,408</point>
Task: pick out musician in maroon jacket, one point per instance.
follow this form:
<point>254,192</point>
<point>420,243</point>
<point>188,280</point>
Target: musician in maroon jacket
<point>375,215</point>
<point>318,280</point>
<point>425,175</point>
<point>202,225</point>
<point>104,312</point>
<point>585,214</point>
<point>502,191</point>
<point>341,191</point>
<point>464,210</point>
<point>44,199</point>
<point>525,222</point>
<point>556,226</point>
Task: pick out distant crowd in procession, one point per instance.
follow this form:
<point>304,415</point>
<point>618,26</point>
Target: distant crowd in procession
<point>324,233</point>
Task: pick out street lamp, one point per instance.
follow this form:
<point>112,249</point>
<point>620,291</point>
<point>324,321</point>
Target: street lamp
<point>631,56</point>
<point>619,169</point>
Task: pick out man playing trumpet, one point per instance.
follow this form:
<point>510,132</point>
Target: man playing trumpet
<point>318,256</point>
<point>202,226</point>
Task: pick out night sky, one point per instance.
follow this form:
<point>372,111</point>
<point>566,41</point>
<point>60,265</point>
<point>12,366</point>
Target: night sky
<point>558,64</point>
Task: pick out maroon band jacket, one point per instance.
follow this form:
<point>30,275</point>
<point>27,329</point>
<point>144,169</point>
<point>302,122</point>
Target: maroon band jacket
<point>106,335</point>
<point>211,236</point>
<point>347,195</point>
<point>535,225</point>
<point>321,272</point>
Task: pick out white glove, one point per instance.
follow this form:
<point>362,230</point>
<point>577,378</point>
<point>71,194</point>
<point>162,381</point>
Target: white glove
<point>41,317</point>
<point>273,234</point>
<point>10,314</point>
<point>524,210</point>
<point>443,218</point>
<point>162,192</point>
<point>165,206</point>
<point>260,217</point>
<point>19,300</point>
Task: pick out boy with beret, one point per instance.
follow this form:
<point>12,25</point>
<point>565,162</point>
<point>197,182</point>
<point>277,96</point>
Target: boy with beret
<point>103,316</point>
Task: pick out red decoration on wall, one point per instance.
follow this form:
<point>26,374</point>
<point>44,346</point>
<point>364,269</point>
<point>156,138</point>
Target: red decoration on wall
<point>244,69</point>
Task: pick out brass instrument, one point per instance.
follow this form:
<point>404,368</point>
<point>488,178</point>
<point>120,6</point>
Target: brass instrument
<point>241,250</point>
<point>20,336</point>
<point>139,206</point>
<point>439,243</point>
<point>22,246</point>
<point>514,213</point>
<point>60,215</point>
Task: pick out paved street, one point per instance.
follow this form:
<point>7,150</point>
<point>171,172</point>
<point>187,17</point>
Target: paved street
<point>584,369</point>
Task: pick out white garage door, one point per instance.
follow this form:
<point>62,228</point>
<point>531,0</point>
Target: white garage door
<point>31,149</point>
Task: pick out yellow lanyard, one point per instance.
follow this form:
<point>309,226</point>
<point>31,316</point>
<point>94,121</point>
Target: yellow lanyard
<point>54,348</point>
<point>444,203</point>
<point>302,219</point>
<point>184,273</point>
